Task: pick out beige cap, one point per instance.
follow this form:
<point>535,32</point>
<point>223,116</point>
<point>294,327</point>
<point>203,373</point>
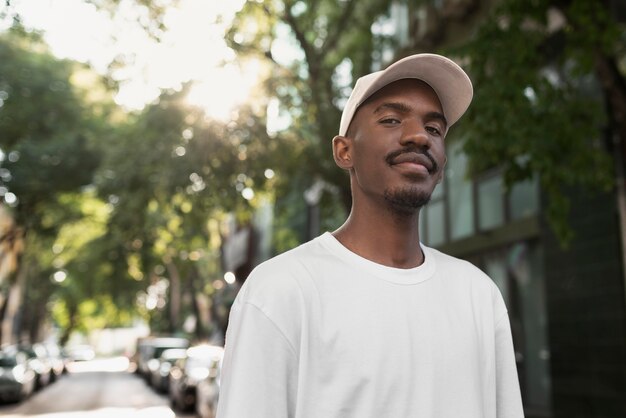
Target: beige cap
<point>447,79</point>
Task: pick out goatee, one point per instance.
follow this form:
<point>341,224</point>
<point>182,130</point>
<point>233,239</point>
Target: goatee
<point>406,201</point>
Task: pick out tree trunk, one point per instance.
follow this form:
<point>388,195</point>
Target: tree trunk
<point>37,318</point>
<point>10,322</point>
<point>200,305</point>
<point>4,302</point>
<point>175,296</point>
<point>72,313</point>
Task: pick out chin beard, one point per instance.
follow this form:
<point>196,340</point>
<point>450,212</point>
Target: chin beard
<point>406,201</point>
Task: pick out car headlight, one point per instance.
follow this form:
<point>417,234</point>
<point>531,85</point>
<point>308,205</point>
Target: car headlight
<point>18,373</point>
<point>153,365</point>
<point>37,366</point>
<point>165,369</point>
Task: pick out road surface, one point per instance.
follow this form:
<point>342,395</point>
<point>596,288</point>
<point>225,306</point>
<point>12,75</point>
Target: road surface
<point>95,389</point>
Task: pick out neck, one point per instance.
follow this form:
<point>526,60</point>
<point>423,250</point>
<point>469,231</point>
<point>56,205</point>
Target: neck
<point>387,238</point>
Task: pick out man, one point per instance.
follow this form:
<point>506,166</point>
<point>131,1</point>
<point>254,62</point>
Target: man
<point>366,322</point>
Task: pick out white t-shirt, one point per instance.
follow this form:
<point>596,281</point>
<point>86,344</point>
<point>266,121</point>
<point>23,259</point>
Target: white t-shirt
<point>320,332</point>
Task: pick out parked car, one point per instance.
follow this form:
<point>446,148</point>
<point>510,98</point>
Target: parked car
<point>57,360</point>
<point>187,372</point>
<point>17,379</point>
<point>207,392</point>
<point>160,368</point>
<point>152,348</point>
<point>38,360</point>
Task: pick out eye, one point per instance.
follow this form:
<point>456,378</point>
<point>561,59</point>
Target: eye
<point>433,130</point>
<point>390,121</point>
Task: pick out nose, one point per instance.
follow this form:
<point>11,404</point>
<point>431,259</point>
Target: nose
<point>415,134</point>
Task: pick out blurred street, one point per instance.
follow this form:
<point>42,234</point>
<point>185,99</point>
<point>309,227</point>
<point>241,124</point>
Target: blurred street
<point>94,389</point>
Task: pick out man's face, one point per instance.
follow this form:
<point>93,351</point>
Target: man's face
<point>396,146</point>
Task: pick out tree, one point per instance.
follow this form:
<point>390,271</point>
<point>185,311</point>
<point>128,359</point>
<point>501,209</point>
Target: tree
<point>46,149</point>
<point>169,176</point>
<point>559,64</point>
<point>150,14</point>
<point>81,286</point>
<point>312,57</point>
<point>163,174</point>
<point>550,98</point>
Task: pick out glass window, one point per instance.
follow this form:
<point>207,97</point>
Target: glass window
<point>518,273</point>
<point>524,263</point>
<point>490,203</point>
<point>524,199</point>
<point>461,198</point>
<point>435,223</point>
<point>495,267</point>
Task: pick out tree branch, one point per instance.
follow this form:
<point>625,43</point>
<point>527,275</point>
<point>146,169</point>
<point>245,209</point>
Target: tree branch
<point>339,26</point>
<point>309,51</point>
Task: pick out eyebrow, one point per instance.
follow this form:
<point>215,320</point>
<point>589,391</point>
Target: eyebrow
<point>398,106</point>
<point>404,108</point>
<point>439,116</point>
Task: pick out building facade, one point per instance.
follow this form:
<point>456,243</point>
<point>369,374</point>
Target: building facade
<point>567,305</point>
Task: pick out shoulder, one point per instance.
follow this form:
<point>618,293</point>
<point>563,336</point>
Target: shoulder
<point>464,278</point>
<point>462,272</point>
<point>453,264</point>
<point>281,280</point>
<point>280,290</point>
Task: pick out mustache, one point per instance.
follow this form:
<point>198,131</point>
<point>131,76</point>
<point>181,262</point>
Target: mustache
<point>389,158</point>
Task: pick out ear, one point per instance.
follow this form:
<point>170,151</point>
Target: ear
<point>342,152</point>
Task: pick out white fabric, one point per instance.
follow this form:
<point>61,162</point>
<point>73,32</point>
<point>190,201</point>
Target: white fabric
<point>320,332</point>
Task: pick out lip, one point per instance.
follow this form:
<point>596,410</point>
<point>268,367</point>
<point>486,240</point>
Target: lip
<point>413,161</point>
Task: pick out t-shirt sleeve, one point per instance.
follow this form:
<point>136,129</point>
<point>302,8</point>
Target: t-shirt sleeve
<point>259,375</point>
<point>508,396</point>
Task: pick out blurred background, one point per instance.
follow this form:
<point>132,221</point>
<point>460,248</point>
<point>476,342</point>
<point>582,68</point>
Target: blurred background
<point>152,152</point>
